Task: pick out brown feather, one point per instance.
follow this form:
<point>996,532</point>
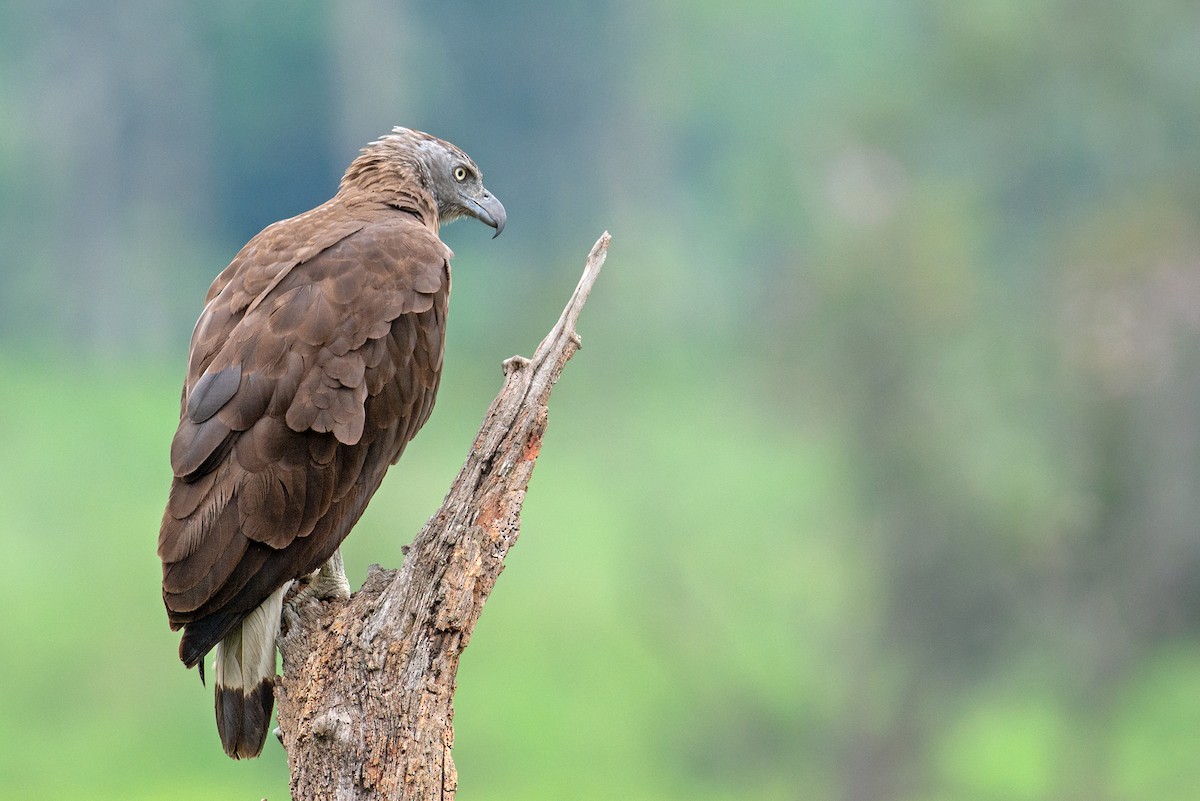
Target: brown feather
<point>213,391</point>
<point>198,447</point>
<point>190,582</point>
<point>185,497</point>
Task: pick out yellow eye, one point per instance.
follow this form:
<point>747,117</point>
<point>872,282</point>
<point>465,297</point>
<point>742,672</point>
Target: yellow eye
<point>460,173</point>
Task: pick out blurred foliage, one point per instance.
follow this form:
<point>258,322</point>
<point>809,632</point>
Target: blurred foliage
<point>877,477</point>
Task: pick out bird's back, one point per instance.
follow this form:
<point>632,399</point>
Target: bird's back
<point>312,366</point>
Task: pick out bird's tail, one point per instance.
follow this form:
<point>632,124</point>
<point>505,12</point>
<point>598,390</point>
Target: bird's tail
<point>245,679</point>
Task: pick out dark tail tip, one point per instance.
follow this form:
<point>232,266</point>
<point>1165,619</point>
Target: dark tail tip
<point>243,718</point>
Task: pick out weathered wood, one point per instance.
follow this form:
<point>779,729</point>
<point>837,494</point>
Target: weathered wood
<point>366,696</point>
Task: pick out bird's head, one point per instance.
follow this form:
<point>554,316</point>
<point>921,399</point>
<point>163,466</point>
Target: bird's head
<point>448,176</point>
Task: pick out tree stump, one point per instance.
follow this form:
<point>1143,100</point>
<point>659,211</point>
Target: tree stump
<point>366,697</point>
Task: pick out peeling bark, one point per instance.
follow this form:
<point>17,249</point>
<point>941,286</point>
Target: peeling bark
<point>366,697</point>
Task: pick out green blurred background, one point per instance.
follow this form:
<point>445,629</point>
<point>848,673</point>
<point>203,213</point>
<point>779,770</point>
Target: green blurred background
<point>878,476</point>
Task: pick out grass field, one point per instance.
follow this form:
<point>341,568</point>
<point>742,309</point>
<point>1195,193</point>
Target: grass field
<point>587,675</point>
<point>691,613</point>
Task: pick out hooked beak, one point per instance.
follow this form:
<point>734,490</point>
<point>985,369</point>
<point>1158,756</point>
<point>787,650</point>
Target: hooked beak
<point>488,210</point>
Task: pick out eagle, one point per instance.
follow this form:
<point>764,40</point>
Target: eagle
<point>316,359</point>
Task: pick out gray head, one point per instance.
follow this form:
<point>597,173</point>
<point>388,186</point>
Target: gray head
<point>449,177</point>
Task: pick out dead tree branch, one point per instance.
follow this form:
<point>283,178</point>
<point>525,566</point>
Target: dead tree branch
<point>366,696</point>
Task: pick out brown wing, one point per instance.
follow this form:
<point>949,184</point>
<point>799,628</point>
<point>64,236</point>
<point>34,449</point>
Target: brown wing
<point>297,400</point>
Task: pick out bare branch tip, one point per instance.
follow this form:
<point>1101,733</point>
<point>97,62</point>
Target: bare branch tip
<point>600,249</point>
<point>514,363</point>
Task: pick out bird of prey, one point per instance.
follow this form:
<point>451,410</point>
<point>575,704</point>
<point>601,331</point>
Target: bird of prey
<point>316,359</point>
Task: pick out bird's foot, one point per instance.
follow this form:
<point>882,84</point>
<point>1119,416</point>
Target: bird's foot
<point>330,579</point>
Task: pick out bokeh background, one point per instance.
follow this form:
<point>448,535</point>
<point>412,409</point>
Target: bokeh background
<point>878,476</point>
